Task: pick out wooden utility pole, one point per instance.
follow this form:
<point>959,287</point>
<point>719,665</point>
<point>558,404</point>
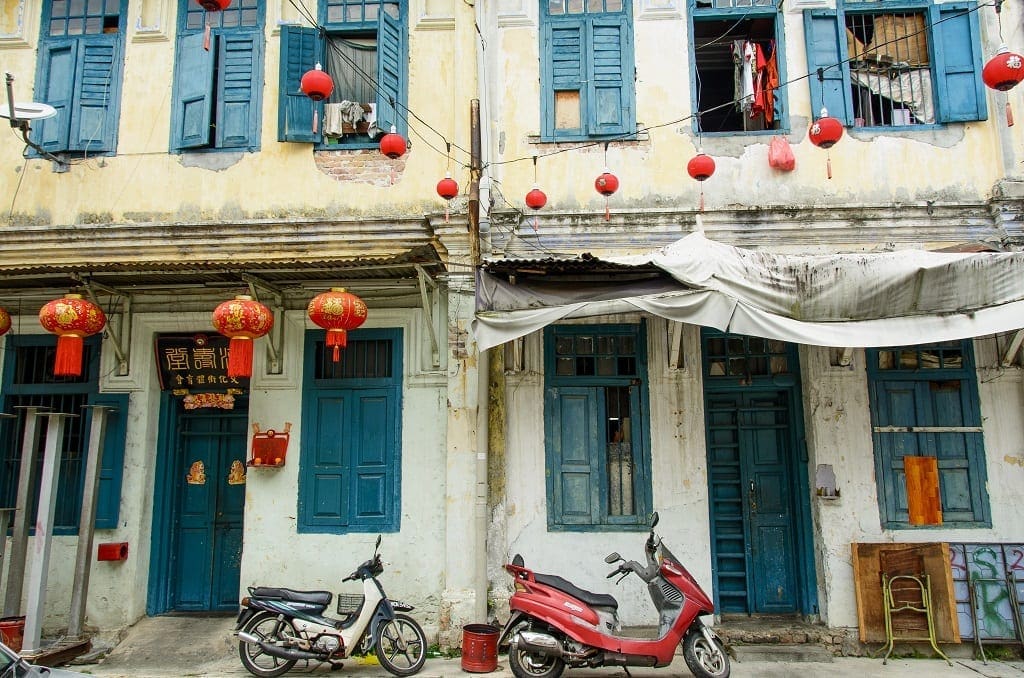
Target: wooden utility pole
<point>474,181</point>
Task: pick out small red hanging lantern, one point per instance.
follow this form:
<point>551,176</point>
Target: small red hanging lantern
<point>316,84</point>
<point>1003,71</point>
<point>447,188</point>
<point>535,200</point>
<point>71,318</point>
<point>214,5</point>
<point>337,312</point>
<point>701,167</point>
<point>392,144</point>
<point>824,133</point>
<point>244,320</point>
<point>5,322</point>
<point>606,184</point>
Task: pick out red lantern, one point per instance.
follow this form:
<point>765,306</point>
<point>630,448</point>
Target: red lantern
<point>5,322</point>
<point>337,312</point>
<point>71,319</point>
<point>606,184</point>
<point>1003,71</point>
<point>392,144</point>
<point>214,5</point>
<point>826,131</point>
<point>536,199</point>
<point>316,84</point>
<point>447,188</point>
<point>243,320</point>
<point>701,166</point>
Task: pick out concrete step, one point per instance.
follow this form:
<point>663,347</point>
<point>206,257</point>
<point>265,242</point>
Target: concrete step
<point>781,653</point>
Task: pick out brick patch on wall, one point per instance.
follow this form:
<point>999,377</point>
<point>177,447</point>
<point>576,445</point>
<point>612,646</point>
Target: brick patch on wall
<point>365,166</point>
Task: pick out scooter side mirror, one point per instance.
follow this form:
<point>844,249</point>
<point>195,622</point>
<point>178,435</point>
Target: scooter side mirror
<point>654,520</point>
<point>518,561</point>
<point>612,557</point>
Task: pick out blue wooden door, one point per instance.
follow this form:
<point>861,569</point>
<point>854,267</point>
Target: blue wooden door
<point>750,464</point>
<point>210,493</point>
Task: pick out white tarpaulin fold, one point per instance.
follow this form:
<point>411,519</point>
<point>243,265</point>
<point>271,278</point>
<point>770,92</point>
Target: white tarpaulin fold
<point>846,300</point>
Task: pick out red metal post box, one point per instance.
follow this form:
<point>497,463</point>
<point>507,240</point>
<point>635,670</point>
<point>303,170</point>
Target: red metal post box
<point>113,551</point>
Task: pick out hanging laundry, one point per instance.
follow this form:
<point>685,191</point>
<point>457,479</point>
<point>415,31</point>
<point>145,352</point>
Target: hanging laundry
<point>744,55</point>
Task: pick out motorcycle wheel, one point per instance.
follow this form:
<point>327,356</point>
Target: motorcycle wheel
<point>401,645</point>
<point>533,664</point>
<point>705,659</point>
<point>257,662</point>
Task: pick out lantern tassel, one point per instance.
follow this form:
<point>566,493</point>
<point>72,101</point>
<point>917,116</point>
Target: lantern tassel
<point>206,38</point>
<point>536,225</point>
<point>828,165</point>
<point>607,213</point>
<point>700,205</point>
<point>69,356</point>
<point>316,121</point>
<point>1009,115</point>
<point>240,357</point>
<point>339,340</point>
<point>446,211</point>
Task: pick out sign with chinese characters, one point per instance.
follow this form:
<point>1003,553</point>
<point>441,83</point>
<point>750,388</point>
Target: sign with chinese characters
<point>195,363</point>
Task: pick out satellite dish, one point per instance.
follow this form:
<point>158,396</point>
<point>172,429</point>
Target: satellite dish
<point>28,111</point>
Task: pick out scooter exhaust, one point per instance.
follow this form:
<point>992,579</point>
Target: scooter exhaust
<point>280,652</point>
<point>541,643</point>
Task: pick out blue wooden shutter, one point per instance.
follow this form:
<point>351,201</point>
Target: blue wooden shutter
<point>373,456</point>
<point>324,495</point>
<point>192,108</point>
<point>822,31</point>
<point>959,93</point>
<point>108,503</point>
<point>573,426</point>
<point>301,49</point>
<point>897,403</point>
<point>961,458</point>
<point>238,97</point>
<point>610,108</point>
<point>562,70</point>
<point>56,87</point>
<point>391,72</point>
<point>97,95</point>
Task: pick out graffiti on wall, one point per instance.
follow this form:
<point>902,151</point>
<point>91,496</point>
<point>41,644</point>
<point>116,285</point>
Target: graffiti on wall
<point>996,572</point>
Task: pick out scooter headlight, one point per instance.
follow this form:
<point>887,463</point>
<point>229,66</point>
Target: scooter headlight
<point>245,601</point>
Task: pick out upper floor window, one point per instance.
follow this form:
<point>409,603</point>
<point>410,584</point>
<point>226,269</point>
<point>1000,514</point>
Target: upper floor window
<point>735,54</point>
<point>896,64</point>
<point>587,72</point>
<point>81,55</point>
<point>218,76</point>
<point>363,49</point>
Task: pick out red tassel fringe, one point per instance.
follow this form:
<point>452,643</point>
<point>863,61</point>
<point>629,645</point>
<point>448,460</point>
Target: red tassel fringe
<point>69,356</point>
<point>1009,115</point>
<point>339,340</point>
<point>240,357</point>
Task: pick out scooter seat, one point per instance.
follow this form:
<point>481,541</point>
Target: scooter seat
<point>592,599</point>
<point>314,597</point>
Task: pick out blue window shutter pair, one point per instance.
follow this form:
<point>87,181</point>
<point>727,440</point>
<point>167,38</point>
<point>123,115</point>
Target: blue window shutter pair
<point>594,57</point>
<point>302,48</point>
<point>112,462</point>
<point>234,86</point>
<point>955,57</point>
<point>81,79</point>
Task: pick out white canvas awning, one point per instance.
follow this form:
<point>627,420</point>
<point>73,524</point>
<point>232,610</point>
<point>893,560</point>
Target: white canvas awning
<point>845,300</point>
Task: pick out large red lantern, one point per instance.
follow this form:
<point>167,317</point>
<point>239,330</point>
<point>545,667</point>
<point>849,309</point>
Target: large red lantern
<point>244,320</point>
<point>701,166</point>
<point>606,184</point>
<point>392,144</point>
<point>536,199</point>
<point>5,322</point>
<point>71,318</point>
<point>447,188</point>
<point>316,84</point>
<point>214,5</point>
<point>337,311</point>
<point>1003,71</point>
<point>824,133</point>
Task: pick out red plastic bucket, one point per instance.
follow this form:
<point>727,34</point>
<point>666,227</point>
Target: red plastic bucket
<point>479,648</point>
<point>12,632</point>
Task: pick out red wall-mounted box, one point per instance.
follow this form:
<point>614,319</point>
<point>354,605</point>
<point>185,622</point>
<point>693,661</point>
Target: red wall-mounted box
<point>113,551</point>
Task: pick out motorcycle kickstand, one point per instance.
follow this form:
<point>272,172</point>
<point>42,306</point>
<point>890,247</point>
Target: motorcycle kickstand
<point>625,669</point>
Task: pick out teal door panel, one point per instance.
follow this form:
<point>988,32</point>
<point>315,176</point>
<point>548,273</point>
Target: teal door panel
<point>211,454</point>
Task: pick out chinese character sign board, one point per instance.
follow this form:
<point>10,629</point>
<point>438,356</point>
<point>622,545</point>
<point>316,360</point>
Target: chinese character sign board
<point>195,363</point>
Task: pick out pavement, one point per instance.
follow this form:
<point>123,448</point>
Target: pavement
<point>187,647</point>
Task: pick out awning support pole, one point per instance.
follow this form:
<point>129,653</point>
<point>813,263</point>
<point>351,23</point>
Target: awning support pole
<point>120,337</point>
<point>275,338</point>
<point>1013,348</point>
<point>428,312</point>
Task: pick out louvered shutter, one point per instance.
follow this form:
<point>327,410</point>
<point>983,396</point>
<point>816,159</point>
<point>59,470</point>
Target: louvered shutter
<point>97,95</point>
<point>825,50</point>
<point>56,87</point>
<point>391,73</point>
<point>237,92</point>
<point>563,71</point>
<point>192,107</point>
<point>960,94</point>
<point>301,49</point>
<point>610,108</point>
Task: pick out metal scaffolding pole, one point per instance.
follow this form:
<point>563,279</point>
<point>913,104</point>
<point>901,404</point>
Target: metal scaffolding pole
<point>22,512</point>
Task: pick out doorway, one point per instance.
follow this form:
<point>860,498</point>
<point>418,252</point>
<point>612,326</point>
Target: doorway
<point>199,508</point>
<point>760,514</point>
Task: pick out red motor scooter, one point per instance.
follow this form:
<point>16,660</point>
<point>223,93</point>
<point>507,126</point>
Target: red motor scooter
<point>555,624</point>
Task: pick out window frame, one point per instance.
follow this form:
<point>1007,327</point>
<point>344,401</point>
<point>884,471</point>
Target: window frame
<point>77,108</point>
<point>752,13</point>
<point>207,103</point>
<point>590,103</point>
<point>554,386</point>
<point>302,48</point>
<point>108,496</point>
<point>313,390</point>
<point>974,442</point>
<point>950,24</point>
